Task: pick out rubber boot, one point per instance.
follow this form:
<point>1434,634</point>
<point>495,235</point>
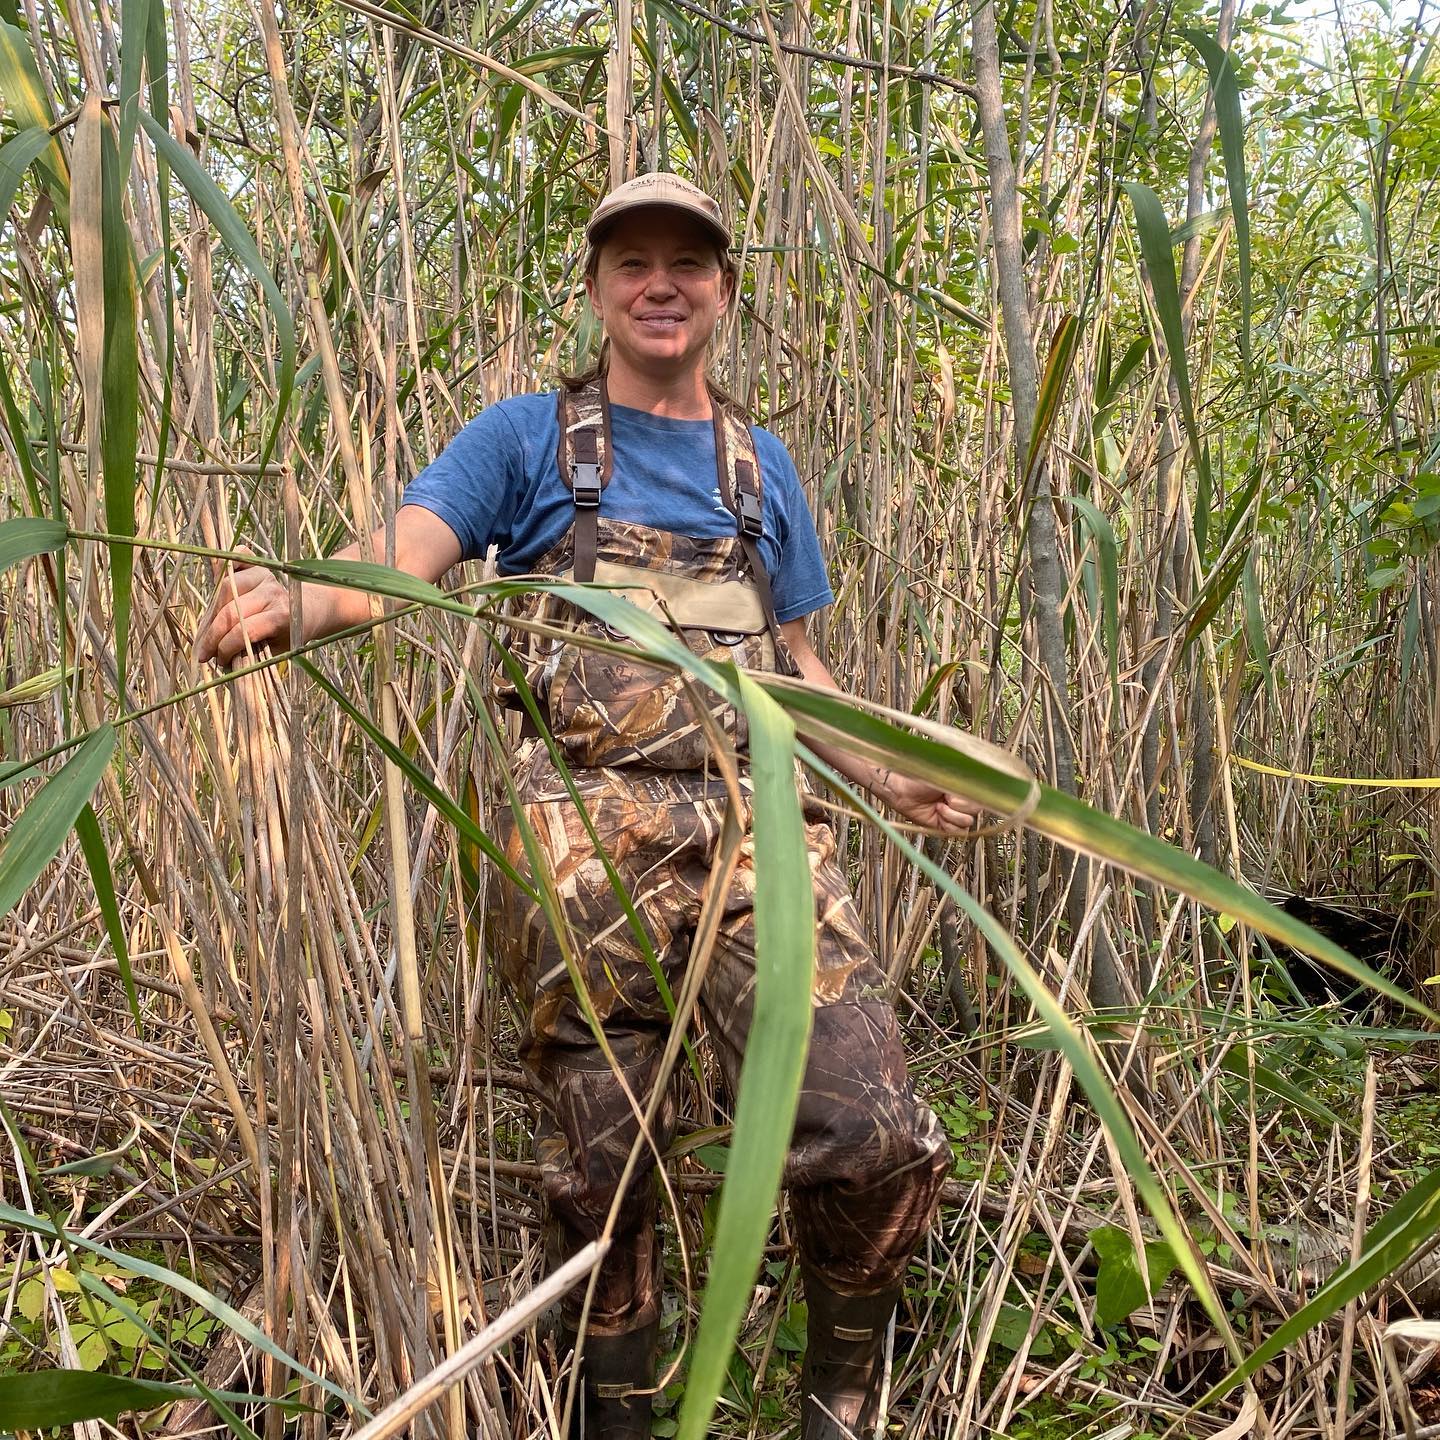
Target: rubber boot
<point>841,1379</point>
<point>612,1369</point>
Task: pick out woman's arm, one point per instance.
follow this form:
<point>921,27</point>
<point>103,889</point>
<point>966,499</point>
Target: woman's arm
<point>253,604</point>
<point>917,800</point>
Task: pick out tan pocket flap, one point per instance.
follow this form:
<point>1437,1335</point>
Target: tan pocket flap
<point>729,606</point>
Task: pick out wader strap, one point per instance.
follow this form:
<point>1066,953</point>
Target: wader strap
<point>584,462</point>
<point>747,505</point>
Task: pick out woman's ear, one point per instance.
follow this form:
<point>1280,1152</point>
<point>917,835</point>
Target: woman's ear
<point>593,292</point>
<point>727,289</point>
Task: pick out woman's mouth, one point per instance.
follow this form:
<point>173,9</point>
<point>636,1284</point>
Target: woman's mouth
<point>660,322</point>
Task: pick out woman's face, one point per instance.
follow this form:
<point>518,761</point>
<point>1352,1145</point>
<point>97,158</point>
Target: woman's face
<point>660,290</point>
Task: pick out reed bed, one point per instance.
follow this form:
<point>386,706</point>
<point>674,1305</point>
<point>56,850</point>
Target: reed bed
<point>249,1027</point>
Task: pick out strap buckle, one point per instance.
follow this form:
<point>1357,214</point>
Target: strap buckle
<point>752,520</point>
<point>585,484</point>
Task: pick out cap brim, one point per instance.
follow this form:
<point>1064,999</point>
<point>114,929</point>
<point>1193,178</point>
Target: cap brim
<point>595,230</point>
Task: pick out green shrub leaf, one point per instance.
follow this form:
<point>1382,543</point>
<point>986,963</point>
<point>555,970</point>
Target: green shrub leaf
<point>1121,1287</point>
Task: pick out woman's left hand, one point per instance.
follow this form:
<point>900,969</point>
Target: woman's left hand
<point>927,805</point>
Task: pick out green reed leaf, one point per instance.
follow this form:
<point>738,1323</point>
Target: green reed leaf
<point>1225,91</point>
<point>26,100</point>
<point>17,155</point>
<point>92,842</point>
<point>212,200</point>
<point>1387,1248</point>
<point>41,828</point>
<point>1058,364</point>
<point>29,535</point>
<point>774,1053</point>
<point>1235,1062</point>
<point>41,1399</point>
<point>1102,536</point>
<point>135,28</point>
<point>1159,255</point>
<point>376,579</point>
<point>1255,621</point>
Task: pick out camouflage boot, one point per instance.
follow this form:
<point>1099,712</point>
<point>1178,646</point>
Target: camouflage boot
<point>841,1379</point>
<point>612,1369</point>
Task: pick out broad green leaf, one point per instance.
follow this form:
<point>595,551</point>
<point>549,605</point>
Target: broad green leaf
<point>17,155</point>
<point>29,535</point>
<point>926,698</point>
<point>1012,1329</point>
<point>1102,536</point>
<point>1410,1223</point>
<point>1216,590</point>
<point>92,842</point>
<point>1233,1062</point>
<point>227,1315</point>
<point>545,60</point>
<point>514,16</point>
<point>45,1398</point>
<point>33,687</point>
<point>29,107</point>
<point>42,826</point>
<point>212,200</point>
<point>135,39</point>
<point>1154,233</point>
<point>1120,1287</point>
<point>375,579</point>
<point>774,1053</point>
<point>1225,90</point>
<point>1114,382</point>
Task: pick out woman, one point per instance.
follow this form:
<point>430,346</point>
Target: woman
<point>646,476</point>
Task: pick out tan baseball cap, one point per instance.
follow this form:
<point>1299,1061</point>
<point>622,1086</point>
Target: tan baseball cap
<point>660,188</point>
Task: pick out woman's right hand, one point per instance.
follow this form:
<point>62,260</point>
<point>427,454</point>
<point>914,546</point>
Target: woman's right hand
<point>251,604</point>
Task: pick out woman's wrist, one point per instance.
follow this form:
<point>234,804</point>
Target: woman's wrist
<point>882,783</point>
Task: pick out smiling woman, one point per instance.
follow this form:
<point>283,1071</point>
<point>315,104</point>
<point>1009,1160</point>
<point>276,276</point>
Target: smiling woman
<point>660,284</point>
<point>644,475</point>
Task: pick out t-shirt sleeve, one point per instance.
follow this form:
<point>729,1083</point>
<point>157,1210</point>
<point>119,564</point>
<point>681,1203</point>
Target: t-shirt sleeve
<point>799,584</point>
<point>475,482</point>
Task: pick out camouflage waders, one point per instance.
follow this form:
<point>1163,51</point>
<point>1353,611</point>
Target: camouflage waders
<point>867,1159</point>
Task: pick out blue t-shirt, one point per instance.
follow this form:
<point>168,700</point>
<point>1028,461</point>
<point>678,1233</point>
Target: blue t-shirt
<point>497,483</point>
